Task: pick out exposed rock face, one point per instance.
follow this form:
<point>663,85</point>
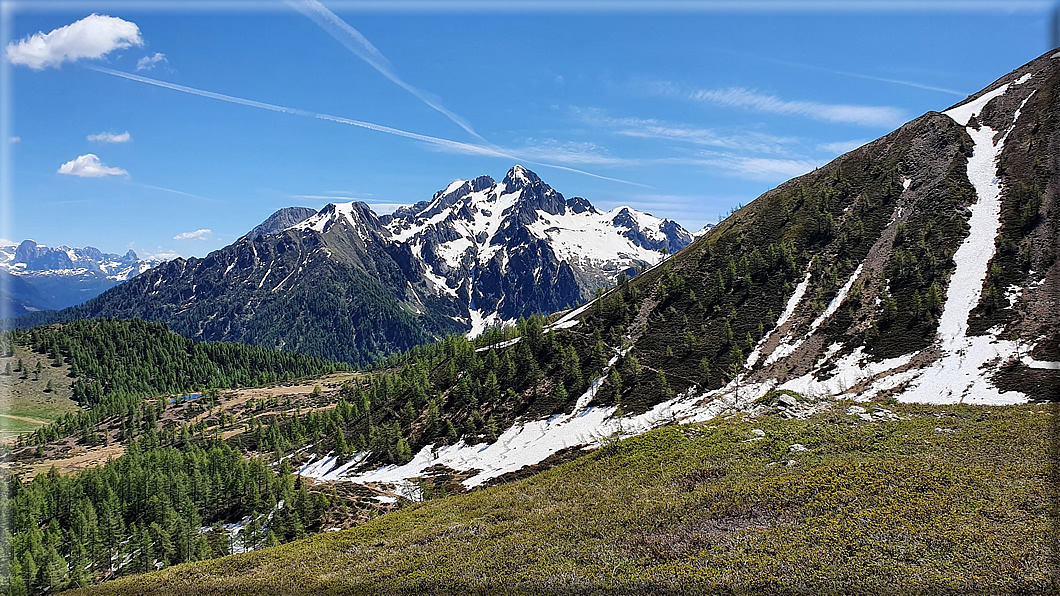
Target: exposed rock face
<point>281,220</point>
<point>517,247</point>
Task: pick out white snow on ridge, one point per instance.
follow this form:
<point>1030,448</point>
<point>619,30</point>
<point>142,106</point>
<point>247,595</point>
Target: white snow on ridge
<point>592,237</point>
<point>963,113</point>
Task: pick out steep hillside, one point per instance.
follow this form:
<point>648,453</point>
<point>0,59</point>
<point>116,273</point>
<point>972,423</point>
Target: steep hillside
<point>875,277</point>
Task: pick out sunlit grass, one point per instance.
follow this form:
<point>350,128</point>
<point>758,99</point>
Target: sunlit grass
<point>953,499</point>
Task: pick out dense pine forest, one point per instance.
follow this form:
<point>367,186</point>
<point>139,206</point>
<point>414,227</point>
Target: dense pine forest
<point>153,507</point>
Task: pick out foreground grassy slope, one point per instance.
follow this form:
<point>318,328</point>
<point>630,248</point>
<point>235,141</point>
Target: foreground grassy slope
<point>955,499</point>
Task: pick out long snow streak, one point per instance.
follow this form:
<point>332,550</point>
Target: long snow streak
<point>837,301</point>
<point>789,309</point>
<point>958,376</point>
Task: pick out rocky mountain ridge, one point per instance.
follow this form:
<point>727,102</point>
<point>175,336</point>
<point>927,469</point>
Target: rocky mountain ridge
<point>347,284</point>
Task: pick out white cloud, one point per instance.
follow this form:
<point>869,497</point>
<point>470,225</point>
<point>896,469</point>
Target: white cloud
<point>160,254</point>
<point>14,140</point>
<point>651,128</point>
<point>883,116</point>
<point>110,137</point>
<point>149,62</point>
<point>203,234</point>
<point>761,168</point>
<point>841,147</point>
<point>92,37</point>
<point>89,166</point>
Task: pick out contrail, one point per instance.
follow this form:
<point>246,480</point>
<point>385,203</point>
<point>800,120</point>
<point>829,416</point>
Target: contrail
<point>456,146</point>
<point>845,73</point>
<point>363,49</point>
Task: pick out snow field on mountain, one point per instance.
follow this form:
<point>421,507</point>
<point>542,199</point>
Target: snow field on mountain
<point>593,236</point>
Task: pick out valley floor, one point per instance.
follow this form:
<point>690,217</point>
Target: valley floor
<point>898,499</point>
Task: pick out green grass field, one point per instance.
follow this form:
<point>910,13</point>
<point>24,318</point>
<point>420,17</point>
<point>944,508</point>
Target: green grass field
<point>944,500</point>
<point>25,404</point>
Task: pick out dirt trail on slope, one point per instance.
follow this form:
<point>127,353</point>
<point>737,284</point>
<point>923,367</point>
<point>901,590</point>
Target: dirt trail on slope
<point>26,419</point>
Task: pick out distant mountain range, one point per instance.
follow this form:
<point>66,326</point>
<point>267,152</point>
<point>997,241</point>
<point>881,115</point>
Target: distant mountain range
<point>347,284</point>
<point>43,278</point>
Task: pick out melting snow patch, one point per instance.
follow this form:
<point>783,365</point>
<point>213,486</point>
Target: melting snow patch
<point>959,375</point>
<point>837,301</point>
<point>789,309</point>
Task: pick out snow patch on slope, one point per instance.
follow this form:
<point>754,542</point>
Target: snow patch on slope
<point>789,309</point>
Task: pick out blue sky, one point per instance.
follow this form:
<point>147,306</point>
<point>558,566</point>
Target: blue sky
<point>174,128</point>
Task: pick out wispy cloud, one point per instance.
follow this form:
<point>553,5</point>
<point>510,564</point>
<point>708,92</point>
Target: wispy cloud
<point>840,147</point>
<point>201,234</point>
<point>436,142</point>
<point>110,137</point>
<point>330,198</point>
<point>580,153</point>
<point>753,168</point>
<point>92,37</point>
<point>149,62</point>
<point>357,43</point>
<point>740,97</point>
<point>651,128</point>
<point>89,166</point>
<point>160,254</point>
<point>386,208</point>
<point>14,140</point>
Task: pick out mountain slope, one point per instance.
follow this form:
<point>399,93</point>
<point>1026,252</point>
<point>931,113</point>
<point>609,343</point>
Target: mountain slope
<point>920,268</point>
<point>342,293</point>
<point>281,220</point>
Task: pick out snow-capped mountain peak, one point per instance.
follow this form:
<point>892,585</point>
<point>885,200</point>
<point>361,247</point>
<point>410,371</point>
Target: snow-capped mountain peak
<point>474,236</point>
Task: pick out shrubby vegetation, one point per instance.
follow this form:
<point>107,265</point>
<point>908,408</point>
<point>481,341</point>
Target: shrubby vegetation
<point>950,499</point>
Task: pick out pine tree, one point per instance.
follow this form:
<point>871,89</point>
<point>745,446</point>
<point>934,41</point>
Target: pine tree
<point>341,448</point>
